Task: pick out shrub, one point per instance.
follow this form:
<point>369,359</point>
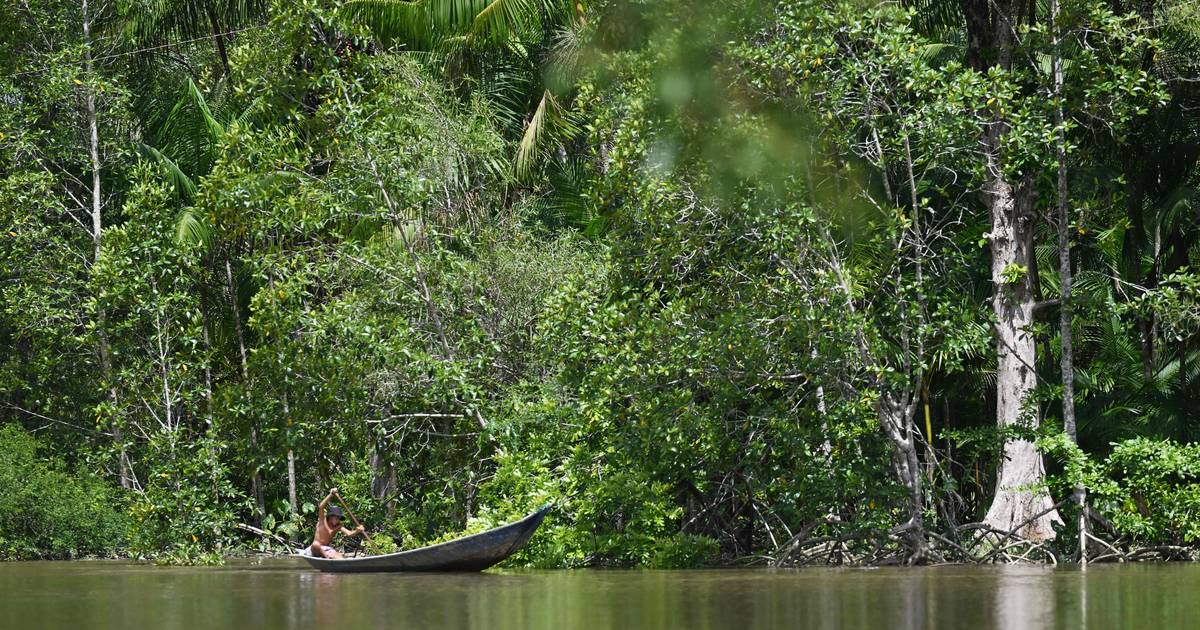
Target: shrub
<point>684,551</point>
<point>188,505</point>
<point>1149,489</point>
<point>1155,490</point>
<point>45,512</point>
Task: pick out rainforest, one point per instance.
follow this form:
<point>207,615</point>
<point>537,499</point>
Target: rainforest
<point>741,282</point>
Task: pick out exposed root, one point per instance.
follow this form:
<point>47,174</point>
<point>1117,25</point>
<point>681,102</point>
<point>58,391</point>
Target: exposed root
<point>974,543</point>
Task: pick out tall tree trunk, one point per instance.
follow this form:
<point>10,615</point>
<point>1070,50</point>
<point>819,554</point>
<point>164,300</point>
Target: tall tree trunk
<point>895,413</point>
<point>991,42</point>
<point>256,488</point>
<point>894,409</point>
<point>1066,309</point>
<point>826,446</point>
<point>97,240</point>
<point>208,380</point>
<point>162,346</point>
<point>1150,336</point>
<point>1018,496</point>
<point>293,503</point>
<point>383,474</point>
<point>291,465</point>
<point>918,253</point>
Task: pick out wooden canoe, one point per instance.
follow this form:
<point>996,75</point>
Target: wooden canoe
<point>469,553</point>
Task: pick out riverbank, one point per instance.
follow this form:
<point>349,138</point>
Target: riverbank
<point>858,552</point>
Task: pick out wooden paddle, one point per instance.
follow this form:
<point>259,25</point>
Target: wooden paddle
<point>351,514</point>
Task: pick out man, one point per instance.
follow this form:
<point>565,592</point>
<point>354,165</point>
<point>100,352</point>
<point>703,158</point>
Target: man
<point>329,522</point>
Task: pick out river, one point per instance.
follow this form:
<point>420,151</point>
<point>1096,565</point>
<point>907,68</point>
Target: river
<point>284,594</point>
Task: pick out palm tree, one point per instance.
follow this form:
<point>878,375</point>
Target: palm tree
<point>521,53</point>
<point>152,23</point>
<point>188,143</point>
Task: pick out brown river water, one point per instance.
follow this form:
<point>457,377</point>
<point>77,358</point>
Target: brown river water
<point>286,594</point>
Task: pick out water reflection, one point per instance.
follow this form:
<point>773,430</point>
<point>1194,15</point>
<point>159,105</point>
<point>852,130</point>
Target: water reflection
<point>74,596</point>
<point>1083,619</point>
<point>1024,598</point>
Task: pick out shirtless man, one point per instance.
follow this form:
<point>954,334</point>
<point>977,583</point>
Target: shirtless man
<point>329,521</point>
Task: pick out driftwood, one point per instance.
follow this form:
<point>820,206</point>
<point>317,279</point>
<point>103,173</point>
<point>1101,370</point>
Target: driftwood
<point>265,534</point>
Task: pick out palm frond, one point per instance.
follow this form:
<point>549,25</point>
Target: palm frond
<point>192,229</point>
<point>1177,204</point>
<point>183,185</point>
<point>509,83</point>
<point>938,54</point>
<point>410,24</point>
<point>414,24</point>
<point>143,23</point>
<point>1179,39</point>
<point>534,130</point>
<point>253,112</point>
<point>565,56</point>
<point>442,24</point>
<point>565,205</point>
<point>548,122</point>
<point>501,19</point>
<point>1109,242</point>
<point>191,132</point>
<point>939,19</point>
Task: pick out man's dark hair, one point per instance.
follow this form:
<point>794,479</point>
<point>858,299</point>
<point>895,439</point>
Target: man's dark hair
<point>333,510</point>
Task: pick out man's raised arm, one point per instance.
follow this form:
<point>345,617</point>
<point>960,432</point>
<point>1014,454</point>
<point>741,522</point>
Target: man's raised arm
<point>325,504</point>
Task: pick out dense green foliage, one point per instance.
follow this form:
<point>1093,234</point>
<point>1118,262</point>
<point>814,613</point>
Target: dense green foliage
<point>713,278</point>
<point>1148,489</point>
<point>49,511</point>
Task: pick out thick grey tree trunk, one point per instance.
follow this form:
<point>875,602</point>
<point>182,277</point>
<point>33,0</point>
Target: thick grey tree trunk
<point>1019,492</point>
<point>291,465</point>
<point>992,43</point>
